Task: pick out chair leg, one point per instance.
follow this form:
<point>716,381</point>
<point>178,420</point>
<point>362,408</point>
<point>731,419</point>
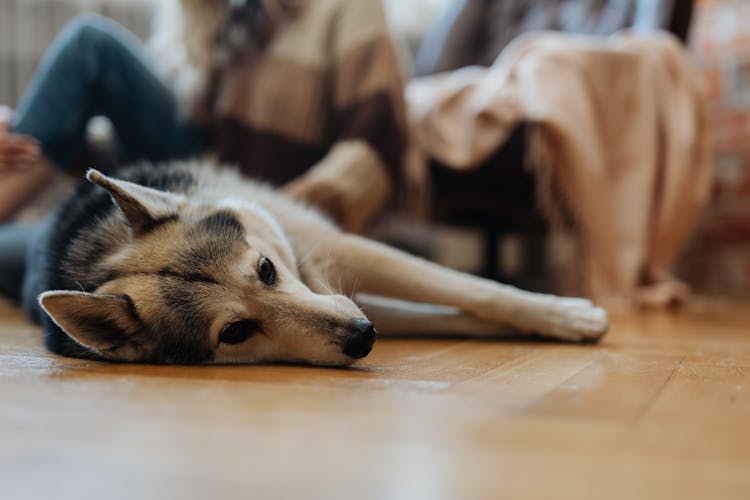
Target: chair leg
<point>491,263</point>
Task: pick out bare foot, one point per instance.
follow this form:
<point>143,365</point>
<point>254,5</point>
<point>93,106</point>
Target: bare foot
<point>16,151</point>
<point>23,169</point>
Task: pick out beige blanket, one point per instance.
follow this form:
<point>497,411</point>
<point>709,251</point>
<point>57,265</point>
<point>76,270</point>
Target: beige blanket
<point>620,132</point>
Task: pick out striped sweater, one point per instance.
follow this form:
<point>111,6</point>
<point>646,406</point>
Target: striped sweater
<point>323,98</point>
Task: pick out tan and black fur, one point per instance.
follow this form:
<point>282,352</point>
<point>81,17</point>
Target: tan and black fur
<point>189,263</point>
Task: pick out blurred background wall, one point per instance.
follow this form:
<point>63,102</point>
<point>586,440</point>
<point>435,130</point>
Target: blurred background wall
<point>28,26</point>
<point>718,259</point>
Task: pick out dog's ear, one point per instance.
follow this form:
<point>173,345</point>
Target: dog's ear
<point>103,323</point>
<point>143,207</point>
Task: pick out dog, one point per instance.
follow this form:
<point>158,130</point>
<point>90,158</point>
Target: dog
<point>189,263</point>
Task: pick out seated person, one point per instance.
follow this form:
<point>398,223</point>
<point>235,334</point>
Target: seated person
<point>301,93</point>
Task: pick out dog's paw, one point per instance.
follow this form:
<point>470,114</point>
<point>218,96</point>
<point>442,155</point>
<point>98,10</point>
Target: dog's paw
<point>564,318</point>
<point>573,319</point>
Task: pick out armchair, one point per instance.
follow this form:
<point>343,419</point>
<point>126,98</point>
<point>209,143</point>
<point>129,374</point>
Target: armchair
<point>498,197</point>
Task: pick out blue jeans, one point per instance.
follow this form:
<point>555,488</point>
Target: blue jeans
<point>94,67</point>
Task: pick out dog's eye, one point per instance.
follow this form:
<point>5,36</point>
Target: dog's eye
<point>238,332</point>
<point>266,271</point>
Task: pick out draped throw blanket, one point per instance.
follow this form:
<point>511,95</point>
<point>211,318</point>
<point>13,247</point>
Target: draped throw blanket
<point>619,137</point>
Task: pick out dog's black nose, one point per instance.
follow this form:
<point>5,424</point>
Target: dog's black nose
<point>359,338</point>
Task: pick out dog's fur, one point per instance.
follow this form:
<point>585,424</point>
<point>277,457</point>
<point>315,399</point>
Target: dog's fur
<point>155,266</point>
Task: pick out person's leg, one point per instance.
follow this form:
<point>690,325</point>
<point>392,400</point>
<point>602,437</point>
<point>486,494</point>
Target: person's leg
<point>96,67</point>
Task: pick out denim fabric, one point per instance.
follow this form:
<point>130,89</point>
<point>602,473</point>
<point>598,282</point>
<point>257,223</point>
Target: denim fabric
<point>94,67</point>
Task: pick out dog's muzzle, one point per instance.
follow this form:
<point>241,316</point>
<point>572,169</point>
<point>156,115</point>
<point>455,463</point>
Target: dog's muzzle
<point>360,337</point>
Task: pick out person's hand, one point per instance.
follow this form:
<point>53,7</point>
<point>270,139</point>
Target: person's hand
<point>319,193</point>
<point>350,185</point>
<point>16,151</point>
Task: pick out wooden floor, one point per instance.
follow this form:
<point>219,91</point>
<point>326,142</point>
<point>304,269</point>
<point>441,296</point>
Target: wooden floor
<point>660,409</point>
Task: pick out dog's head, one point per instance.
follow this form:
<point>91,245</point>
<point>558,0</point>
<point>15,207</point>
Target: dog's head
<point>198,281</point>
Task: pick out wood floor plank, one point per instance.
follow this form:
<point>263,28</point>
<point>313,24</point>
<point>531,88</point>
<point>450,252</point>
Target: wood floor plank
<point>618,387</point>
<point>659,410</point>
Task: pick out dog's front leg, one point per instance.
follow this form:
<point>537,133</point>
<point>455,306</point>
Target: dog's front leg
<point>398,317</point>
<point>362,265</point>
